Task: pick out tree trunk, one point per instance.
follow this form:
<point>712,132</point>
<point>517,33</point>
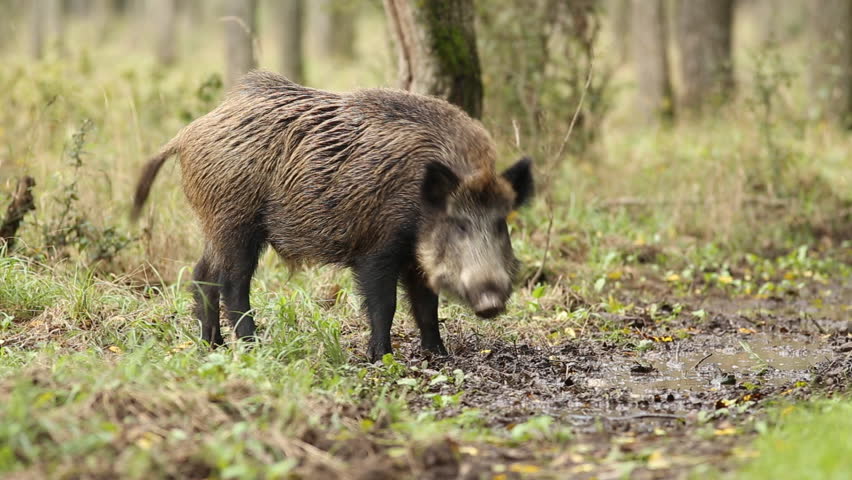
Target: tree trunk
<point>45,26</point>
<point>292,52</point>
<point>650,58</point>
<point>703,29</point>
<point>619,12</point>
<point>333,25</point>
<point>240,29</point>
<point>831,58</point>
<point>164,16</point>
<point>436,49</point>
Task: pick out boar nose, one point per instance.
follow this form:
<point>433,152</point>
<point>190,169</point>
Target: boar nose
<point>489,305</point>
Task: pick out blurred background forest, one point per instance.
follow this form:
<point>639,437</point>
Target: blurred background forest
<point>674,121</point>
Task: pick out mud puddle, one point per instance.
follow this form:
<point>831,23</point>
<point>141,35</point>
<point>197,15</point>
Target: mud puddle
<point>758,360</point>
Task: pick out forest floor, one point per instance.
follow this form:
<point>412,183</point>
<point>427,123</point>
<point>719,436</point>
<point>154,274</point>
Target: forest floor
<point>97,382</point>
<point>690,316</point>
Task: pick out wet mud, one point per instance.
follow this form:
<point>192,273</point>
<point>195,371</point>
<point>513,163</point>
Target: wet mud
<point>679,391</point>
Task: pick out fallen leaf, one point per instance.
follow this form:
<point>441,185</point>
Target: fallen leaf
<point>114,349</point>
<point>746,331</point>
<point>524,468</point>
<point>725,279</point>
<point>725,431</point>
<point>467,450</point>
<point>183,346</point>
<point>584,468</point>
<point>673,278</point>
<point>656,461</point>
<point>148,440</point>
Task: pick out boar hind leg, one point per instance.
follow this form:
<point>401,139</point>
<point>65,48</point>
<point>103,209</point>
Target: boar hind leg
<point>377,277</point>
<point>424,307</point>
<point>240,262</point>
<point>206,294</point>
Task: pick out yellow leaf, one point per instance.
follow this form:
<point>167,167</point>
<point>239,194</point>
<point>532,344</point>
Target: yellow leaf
<point>747,397</point>
<point>673,277</point>
<point>659,432</point>
<point>614,275</point>
<point>44,398</point>
<point>500,476</point>
<point>485,352</point>
<point>640,240</point>
<point>789,276</point>
<point>524,468</point>
<point>746,331</point>
<point>787,411</point>
<point>725,431</point>
<point>656,460</point>
<point>472,451</point>
<point>570,332</point>
<point>725,279</point>
<point>147,440</point>
<point>584,468</point>
<point>114,349</point>
<point>183,346</point>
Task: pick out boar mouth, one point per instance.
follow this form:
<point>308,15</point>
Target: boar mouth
<point>488,305</point>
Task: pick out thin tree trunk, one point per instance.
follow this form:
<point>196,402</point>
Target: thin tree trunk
<point>292,50</point>
<point>164,15</point>
<point>333,25</point>
<point>436,49</point>
<point>620,15</point>
<point>650,58</point>
<point>830,70</point>
<point>45,26</point>
<point>703,30</point>
<point>240,29</point>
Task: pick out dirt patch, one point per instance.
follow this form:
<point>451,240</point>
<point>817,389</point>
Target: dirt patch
<point>654,402</point>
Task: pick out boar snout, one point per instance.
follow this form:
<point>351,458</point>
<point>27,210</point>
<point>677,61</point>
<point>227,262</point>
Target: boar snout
<point>489,300</point>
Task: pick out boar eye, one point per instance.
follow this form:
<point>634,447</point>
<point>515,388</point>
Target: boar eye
<point>461,225</point>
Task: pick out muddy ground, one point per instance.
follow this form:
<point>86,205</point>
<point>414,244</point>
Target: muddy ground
<point>687,398</point>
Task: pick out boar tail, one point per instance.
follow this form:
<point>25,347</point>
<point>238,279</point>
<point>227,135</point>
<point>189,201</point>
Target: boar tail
<point>149,173</point>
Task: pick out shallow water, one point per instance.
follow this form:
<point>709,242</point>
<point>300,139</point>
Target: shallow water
<point>757,359</point>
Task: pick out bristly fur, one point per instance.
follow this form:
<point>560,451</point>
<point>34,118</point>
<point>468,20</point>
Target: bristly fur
<point>323,177</point>
<point>306,165</point>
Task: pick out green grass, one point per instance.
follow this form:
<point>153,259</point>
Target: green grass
<point>809,440</point>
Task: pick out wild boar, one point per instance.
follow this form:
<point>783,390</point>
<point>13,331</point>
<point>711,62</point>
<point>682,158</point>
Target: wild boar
<point>399,187</point>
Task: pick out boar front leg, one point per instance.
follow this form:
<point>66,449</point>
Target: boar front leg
<point>424,307</point>
<point>377,276</point>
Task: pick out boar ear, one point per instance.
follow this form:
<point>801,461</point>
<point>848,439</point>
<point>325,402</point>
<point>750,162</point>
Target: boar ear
<point>438,184</point>
<point>520,177</point>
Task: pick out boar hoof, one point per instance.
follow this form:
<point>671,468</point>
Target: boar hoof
<point>376,352</point>
<point>434,348</point>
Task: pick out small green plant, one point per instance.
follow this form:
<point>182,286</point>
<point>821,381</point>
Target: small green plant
<point>71,228</point>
